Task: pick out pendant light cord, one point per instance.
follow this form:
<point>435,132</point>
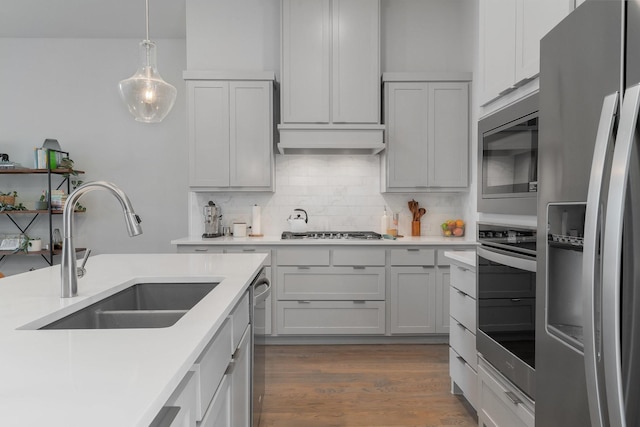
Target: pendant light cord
<point>147,15</point>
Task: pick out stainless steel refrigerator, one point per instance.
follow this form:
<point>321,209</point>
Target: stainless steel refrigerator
<point>588,274</point>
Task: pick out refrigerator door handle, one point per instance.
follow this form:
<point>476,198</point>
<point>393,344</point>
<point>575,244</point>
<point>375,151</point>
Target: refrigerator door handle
<point>592,233</point>
<point>612,256</point>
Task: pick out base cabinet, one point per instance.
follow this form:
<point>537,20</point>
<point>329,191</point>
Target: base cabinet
<point>413,296</point>
<point>218,413</point>
<point>500,404</point>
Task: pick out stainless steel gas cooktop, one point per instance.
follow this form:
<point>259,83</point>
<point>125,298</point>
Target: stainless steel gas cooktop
<point>355,235</point>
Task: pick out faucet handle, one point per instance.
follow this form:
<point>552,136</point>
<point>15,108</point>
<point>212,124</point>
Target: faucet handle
<point>80,271</point>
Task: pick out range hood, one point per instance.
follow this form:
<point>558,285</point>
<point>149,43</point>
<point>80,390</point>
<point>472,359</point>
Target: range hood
<point>331,139</point>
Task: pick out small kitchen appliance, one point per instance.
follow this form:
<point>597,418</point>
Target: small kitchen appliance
<point>298,223</point>
<point>212,216</point>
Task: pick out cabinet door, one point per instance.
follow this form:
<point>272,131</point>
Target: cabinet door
<point>355,61</point>
<point>219,412</point>
<point>208,129</point>
<point>534,19</point>
<point>306,50</point>
<point>250,146</point>
<point>413,300</point>
<point>407,133</point>
<point>497,47</point>
<point>442,300</point>
<point>448,139</point>
<point>241,382</point>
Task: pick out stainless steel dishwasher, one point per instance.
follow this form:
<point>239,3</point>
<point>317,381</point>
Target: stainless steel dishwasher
<point>259,292</point>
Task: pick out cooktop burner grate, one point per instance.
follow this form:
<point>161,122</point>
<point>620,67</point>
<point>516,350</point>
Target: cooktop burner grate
<point>320,235</point>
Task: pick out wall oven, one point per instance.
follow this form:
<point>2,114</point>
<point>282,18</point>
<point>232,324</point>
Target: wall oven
<point>508,159</point>
<point>506,272</point>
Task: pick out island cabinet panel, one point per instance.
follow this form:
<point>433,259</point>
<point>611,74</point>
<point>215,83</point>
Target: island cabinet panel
<point>331,283</point>
<point>210,367</point>
<point>240,373</point>
<point>218,414</point>
<point>331,317</point>
<point>185,397</point>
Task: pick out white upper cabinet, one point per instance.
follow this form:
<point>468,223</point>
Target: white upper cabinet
<point>230,131</point>
<point>510,33</point>
<point>330,92</point>
<point>427,133</point>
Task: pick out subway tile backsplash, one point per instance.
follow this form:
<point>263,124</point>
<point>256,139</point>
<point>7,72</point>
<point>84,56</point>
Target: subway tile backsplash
<point>339,193</point>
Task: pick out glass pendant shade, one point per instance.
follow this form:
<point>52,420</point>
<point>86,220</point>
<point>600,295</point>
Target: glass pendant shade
<point>148,97</point>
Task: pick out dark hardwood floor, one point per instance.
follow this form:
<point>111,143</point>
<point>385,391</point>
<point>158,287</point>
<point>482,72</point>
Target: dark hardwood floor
<point>361,385</point>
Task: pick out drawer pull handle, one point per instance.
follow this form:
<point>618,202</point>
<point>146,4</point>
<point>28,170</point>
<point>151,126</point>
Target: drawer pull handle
<point>202,250</point>
<point>515,300</point>
<point>303,267</point>
<point>513,398</point>
<point>461,325</point>
<point>462,268</point>
<point>359,301</point>
<point>461,359</point>
<point>413,250</point>
<point>461,293</point>
<point>248,250</point>
<point>304,302</point>
<point>358,267</point>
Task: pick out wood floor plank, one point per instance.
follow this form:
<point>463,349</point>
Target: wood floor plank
<point>361,385</point>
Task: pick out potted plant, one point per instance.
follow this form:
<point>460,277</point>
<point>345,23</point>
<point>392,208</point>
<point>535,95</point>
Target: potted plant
<point>42,204</point>
<point>8,202</point>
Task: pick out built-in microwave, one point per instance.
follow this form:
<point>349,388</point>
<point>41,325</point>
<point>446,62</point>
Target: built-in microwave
<point>508,159</point>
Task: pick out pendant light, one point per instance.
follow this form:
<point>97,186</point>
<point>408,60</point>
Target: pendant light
<point>148,97</point>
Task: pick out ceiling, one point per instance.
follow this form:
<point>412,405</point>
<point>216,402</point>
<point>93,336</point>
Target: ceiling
<point>91,18</point>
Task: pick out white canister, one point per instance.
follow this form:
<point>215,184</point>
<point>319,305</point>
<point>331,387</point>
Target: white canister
<point>35,245</point>
<point>239,229</point>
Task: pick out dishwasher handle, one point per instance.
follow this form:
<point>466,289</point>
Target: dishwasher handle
<point>262,296</point>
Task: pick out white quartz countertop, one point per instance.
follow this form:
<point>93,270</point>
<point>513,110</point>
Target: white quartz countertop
<point>116,377</point>
<point>276,241</point>
<point>465,257</point>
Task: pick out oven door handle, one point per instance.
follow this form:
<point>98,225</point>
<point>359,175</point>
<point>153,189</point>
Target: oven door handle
<point>591,263</point>
<point>510,259</point>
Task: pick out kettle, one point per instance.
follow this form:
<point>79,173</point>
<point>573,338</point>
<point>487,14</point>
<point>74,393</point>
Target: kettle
<point>298,224</point>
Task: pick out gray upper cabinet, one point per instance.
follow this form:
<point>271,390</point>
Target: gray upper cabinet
<point>427,138</point>
<point>230,131</point>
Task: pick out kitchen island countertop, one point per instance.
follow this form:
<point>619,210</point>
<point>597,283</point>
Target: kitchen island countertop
<point>108,377</point>
<point>276,240</point>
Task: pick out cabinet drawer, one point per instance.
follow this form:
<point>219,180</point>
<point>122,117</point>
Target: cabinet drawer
<point>464,377</point>
<point>219,411</point>
<point>303,256</point>
<point>210,367</point>
<point>464,279</point>
<point>250,250</point>
<point>501,402</point>
<point>463,341</point>
<point>185,397</point>
<point>239,320</point>
<point>205,249</point>
<point>413,256</point>
<point>462,308</point>
<point>356,257</point>
<point>331,283</point>
<point>331,317</point>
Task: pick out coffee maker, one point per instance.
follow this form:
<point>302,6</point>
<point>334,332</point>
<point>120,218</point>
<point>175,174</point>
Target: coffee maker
<point>212,216</point>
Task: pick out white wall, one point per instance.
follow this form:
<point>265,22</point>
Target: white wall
<point>67,89</point>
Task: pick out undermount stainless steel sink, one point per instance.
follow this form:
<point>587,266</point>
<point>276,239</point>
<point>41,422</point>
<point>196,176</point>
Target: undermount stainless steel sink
<point>143,305</point>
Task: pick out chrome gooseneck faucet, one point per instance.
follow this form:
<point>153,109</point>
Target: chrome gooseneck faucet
<point>68,265</point>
